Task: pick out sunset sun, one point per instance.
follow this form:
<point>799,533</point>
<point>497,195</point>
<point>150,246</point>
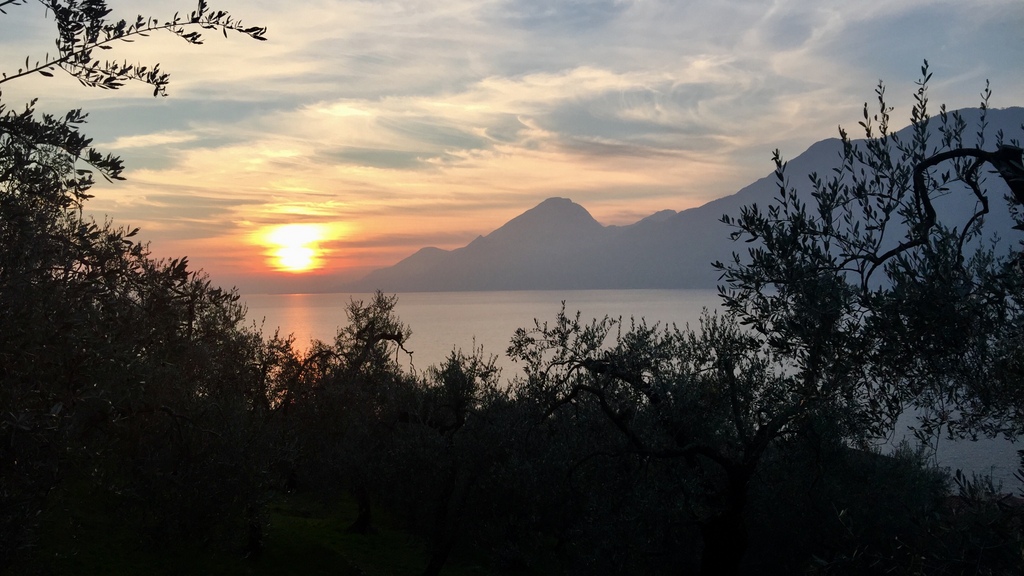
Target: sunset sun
<point>296,248</point>
<point>296,258</point>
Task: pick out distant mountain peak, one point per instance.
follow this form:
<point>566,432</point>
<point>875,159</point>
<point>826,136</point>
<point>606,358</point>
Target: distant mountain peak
<point>557,244</point>
<point>556,208</point>
<point>556,201</point>
<point>660,216</point>
<point>553,217</point>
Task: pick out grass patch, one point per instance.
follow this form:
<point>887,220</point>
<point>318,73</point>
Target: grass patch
<point>305,537</point>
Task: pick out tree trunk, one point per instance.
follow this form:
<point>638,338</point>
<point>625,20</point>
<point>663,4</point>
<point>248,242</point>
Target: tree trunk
<point>725,534</point>
<point>439,556</point>
<point>363,523</point>
<point>254,539</point>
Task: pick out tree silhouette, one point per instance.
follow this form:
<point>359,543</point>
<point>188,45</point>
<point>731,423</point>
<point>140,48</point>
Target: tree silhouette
<point>118,372</point>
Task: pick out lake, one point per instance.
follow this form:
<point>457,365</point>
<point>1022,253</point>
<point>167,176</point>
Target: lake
<point>443,321</point>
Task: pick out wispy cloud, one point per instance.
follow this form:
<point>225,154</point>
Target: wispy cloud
<point>150,140</point>
<point>429,123</point>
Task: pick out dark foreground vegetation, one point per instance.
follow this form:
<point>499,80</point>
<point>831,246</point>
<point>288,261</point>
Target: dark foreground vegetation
<point>146,428</point>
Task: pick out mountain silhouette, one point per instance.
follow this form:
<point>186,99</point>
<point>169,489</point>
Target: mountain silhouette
<point>559,245</point>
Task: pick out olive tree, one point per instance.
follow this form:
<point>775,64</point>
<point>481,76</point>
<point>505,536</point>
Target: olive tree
<point>713,402</point>
<point>860,269</point>
<point>348,403</point>
<point>455,433</point>
<point>854,302</point>
<point>118,371</point>
<point>935,300</point>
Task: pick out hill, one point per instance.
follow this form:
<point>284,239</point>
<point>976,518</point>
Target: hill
<point>559,245</point>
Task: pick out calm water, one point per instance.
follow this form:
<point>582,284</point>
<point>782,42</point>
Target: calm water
<point>443,321</point>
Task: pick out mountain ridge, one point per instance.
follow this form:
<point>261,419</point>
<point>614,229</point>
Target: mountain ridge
<point>557,244</point>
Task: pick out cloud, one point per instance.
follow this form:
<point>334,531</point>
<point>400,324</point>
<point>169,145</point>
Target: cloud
<point>404,241</point>
<point>151,140</point>
<point>563,16</point>
<point>471,111</point>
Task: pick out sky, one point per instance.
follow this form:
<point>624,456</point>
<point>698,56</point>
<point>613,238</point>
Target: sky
<point>362,131</point>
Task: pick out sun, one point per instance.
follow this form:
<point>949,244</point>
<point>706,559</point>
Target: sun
<point>296,258</point>
<point>295,247</point>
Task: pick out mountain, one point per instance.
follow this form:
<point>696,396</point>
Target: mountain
<point>558,244</point>
<point>534,250</point>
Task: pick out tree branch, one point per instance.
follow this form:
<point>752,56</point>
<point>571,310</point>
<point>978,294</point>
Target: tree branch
<point>83,38</point>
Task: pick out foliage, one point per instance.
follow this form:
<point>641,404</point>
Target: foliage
<point>938,331</point>
<point>125,381</point>
<point>133,394</point>
<point>709,404</point>
<point>111,358</point>
<point>83,27</point>
<point>946,294</point>
<point>348,401</point>
<point>854,302</point>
